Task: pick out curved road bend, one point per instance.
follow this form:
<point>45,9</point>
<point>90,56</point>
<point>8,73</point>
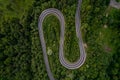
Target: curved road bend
<point>115,4</point>
<point>62,59</point>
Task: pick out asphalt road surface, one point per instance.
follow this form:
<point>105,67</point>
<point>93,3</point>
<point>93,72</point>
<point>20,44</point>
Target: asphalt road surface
<point>115,4</point>
<point>62,59</point>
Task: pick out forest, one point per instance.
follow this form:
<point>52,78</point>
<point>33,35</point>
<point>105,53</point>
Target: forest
<point>21,56</point>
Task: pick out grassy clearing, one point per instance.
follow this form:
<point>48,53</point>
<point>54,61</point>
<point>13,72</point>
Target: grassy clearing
<point>14,8</point>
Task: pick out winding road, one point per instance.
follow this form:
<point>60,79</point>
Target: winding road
<point>62,59</point>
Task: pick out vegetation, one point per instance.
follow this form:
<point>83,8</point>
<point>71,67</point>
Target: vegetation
<point>21,56</point>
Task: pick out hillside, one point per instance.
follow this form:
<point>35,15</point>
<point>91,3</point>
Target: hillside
<point>21,56</point>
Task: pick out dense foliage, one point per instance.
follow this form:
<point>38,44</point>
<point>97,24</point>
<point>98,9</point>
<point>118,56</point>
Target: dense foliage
<point>21,55</point>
